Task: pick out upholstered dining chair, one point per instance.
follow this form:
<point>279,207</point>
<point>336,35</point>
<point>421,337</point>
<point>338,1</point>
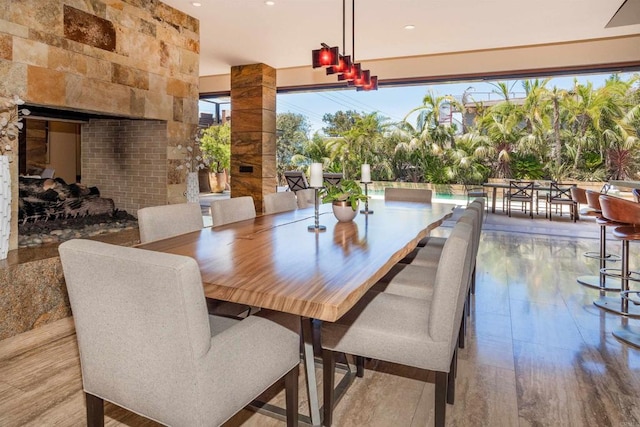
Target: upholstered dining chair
<point>235,209</point>
<point>162,222</point>
<point>147,344</point>
<point>408,331</point>
<point>280,202</point>
<point>306,198</point>
<point>421,195</point>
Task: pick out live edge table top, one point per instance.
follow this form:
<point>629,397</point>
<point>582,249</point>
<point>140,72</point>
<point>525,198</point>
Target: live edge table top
<point>274,262</point>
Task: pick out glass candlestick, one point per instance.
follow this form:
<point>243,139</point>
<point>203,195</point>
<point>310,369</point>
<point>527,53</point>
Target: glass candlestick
<point>366,202</point>
<point>316,226</point>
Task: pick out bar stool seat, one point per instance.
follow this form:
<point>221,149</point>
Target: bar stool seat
<point>624,211</point>
<point>599,282</point>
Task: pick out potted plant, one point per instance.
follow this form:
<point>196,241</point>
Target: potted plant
<point>345,197</point>
<point>215,144</point>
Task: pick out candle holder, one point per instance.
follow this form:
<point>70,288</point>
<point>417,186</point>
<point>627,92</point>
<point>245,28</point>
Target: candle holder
<point>366,210</point>
<point>316,227</point>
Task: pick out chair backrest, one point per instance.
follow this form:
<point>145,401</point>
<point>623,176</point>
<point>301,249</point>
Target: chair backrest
<point>636,194</point>
<point>306,198</point>
<point>236,209</point>
<point>620,210</point>
<point>559,192</point>
<point>161,222</point>
<point>296,180</point>
<point>579,195</point>
<point>331,178</point>
<point>280,202</point>
<point>451,284</point>
<point>141,323</point>
<point>593,200</point>
<point>521,189</point>
<point>421,195</point>
<point>48,173</point>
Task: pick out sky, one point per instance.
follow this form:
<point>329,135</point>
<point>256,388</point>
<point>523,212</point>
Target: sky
<point>396,102</point>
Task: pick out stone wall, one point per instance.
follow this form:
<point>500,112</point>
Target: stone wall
<point>126,58</point>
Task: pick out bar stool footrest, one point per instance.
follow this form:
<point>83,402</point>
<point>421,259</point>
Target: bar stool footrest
<point>628,334</point>
<point>594,283</point>
<point>628,296</point>
<point>614,305</point>
<point>607,257</point>
<point>634,276</point>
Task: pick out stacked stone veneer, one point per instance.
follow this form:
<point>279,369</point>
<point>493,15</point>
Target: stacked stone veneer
<point>127,58</point>
<point>132,59</point>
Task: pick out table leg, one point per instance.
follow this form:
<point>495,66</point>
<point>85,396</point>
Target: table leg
<point>309,366</point>
<point>493,199</point>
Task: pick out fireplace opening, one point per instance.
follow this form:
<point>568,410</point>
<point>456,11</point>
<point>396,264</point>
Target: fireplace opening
<point>82,175</point>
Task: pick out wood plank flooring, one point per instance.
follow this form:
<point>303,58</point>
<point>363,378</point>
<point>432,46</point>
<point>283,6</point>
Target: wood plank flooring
<point>538,353</point>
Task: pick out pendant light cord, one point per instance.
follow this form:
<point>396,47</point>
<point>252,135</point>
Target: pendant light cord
<point>353,31</point>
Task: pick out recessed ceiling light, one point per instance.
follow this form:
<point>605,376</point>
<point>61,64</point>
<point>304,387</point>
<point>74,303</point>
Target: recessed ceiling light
<point>269,3</point>
<point>409,27</point>
<point>196,4</point>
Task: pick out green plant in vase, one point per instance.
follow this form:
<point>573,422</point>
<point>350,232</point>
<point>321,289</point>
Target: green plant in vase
<point>346,190</point>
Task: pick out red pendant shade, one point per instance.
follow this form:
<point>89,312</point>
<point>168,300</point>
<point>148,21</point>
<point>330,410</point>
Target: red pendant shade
<point>325,57</point>
<point>342,65</point>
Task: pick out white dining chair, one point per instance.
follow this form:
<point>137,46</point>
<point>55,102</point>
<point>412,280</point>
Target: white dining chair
<point>280,202</point>
<point>162,222</point>
<point>408,331</point>
<point>235,209</point>
<point>147,344</point>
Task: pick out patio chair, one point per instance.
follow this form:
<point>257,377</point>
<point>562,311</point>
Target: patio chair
<point>476,191</point>
<point>560,196</point>
<point>520,192</point>
<point>331,178</point>
<point>296,180</point>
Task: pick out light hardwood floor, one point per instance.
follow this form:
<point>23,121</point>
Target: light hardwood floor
<point>538,353</point>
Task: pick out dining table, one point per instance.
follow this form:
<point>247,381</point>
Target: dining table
<point>275,262</point>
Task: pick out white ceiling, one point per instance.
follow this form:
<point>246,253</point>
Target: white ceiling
<point>238,32</point>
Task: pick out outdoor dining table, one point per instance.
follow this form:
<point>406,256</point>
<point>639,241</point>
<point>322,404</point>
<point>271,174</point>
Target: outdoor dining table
<point>505,185</point>
<point>274,262</point>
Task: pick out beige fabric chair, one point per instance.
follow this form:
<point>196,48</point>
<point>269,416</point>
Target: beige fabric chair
<point>280,202</point>
<point>161,222</point>
<point>236,209</point>
<point>306,198</point>
<point>147,344</point>
<point>409,331</point>
<point>420,195</point>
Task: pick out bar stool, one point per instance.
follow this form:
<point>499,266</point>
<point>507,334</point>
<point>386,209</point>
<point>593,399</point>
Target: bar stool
<point>599,281</point>
<point>628,213</point>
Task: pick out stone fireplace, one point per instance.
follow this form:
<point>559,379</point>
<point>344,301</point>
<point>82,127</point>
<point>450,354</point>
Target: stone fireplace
<point>137,61</point>
<point>134,62</point>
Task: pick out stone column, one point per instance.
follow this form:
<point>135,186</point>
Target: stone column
<point>253,132</point>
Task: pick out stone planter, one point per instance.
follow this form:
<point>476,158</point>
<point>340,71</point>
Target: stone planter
<point>218,181</point>
<point>343,211</point>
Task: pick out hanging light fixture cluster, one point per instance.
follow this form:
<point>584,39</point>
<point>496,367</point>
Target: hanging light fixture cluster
<point>344,65</point>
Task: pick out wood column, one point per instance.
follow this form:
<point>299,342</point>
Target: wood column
<point>253,132</point>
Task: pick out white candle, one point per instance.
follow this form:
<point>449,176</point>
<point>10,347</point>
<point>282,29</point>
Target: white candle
<point>366,173</point>
<point>316,175</point>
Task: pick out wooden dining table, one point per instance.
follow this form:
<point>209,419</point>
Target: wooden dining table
<point>274,261</point>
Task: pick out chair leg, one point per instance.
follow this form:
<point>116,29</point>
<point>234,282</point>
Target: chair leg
<point>95,410</point>
<point>441,398</point>
<point>462,332</point>
<point>359,366</point>
<point>328,368</point>
<point>291,396</point>
<point>473,279</point>
<point>451,378</point>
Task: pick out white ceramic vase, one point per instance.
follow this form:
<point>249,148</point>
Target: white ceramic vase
<point>343,211</point>
<point>5,206</point>
<point>193,187</point>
